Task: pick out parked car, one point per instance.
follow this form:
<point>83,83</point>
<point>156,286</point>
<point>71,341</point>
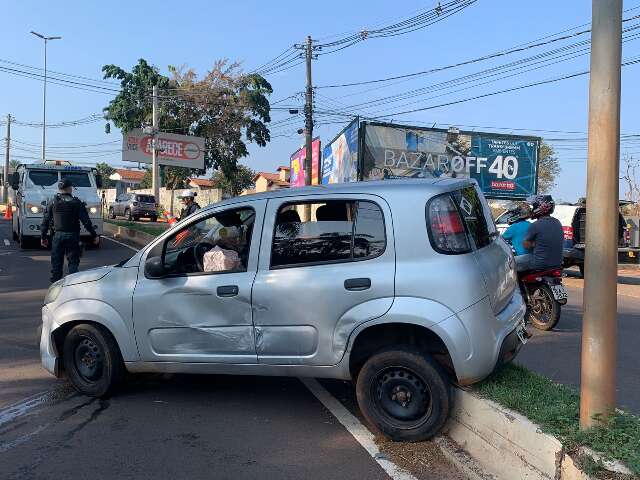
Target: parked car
<point>402,286</point>
<point>134,206</point>
<point>574,220</point>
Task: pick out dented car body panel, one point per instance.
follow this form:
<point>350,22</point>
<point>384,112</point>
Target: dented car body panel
<point>302,319</point>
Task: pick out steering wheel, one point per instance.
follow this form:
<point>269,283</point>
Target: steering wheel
<point>198,254</point>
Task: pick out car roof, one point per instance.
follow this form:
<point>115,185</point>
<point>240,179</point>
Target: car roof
<point>383,188</point>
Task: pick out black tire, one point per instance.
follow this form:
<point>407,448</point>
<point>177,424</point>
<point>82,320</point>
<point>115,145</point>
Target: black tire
<point>25,242</point>
<point>404,370</point>
<point>92,360</point>
<point>581,267</point>
<point>14,235</point>
<point>153,218</point>
<point>543,310</point>
<point>112,213</point>
<point>127,213</point>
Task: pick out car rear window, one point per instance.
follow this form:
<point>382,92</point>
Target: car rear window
<point>471,207</point>
<point>145,198</point>
<point>338,231</point>
<point>455,219</point>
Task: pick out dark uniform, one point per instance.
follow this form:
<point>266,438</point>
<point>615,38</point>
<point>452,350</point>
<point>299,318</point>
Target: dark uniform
<point>64,213</point>
<point>186,211</point>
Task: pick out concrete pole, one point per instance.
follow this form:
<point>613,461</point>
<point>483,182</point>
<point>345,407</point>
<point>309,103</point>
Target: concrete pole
<point>44,104</point>
<point>599,330</point>
<point>308,115</point>
<point>155,183</point>
<point>5,185</point>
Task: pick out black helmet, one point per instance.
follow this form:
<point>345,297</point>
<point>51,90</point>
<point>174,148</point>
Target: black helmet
<point>518,211</point>
<point>64,183</point>
<point>541,205</point>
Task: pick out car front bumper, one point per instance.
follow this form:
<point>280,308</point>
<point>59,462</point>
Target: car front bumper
<point>48,352</point>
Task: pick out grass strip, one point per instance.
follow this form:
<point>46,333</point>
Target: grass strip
<point>141,227</point>
<point>556,409</point>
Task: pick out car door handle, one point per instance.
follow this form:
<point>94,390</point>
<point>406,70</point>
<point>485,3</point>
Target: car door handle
<point>357,284</point>
<point>227,290</point>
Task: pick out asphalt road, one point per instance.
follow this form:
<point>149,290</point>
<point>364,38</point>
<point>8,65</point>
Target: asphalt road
<point>556,354</point>
<point>158,426</point>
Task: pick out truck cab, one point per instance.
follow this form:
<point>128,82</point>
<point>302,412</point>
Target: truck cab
<point>35,185</point>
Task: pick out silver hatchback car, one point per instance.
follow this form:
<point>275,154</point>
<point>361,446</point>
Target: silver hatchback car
<point>402,286</point>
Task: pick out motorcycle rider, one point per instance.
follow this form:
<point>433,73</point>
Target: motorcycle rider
<point>544,237</point>
<point>518,227</point>
<point>190,205</point>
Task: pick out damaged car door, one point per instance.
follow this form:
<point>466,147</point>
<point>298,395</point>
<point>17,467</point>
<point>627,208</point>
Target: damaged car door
<point>192,302</point>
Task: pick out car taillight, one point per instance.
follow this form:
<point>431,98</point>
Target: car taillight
<point>135,204</point>
<point>446,229</point>
<point>568,233</point>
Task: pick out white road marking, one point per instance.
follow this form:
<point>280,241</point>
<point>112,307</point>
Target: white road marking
<point>6,242</point>
<point>120,243</point>
<point>20,440</point>
<point>362,435</point>
<point>22,407</point>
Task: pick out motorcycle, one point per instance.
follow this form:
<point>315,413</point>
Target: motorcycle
<point>544,296</point>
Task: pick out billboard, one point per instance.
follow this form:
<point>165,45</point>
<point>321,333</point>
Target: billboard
<point>298,162</point>
<point>175,150</point>
<point>505,166</point>
<point>340,156</point>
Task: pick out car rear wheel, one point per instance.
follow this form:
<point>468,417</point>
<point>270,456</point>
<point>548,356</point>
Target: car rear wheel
<point>543,310</point>
<point>404,393</point>
<point>127,213</point>
<point>92,360</point>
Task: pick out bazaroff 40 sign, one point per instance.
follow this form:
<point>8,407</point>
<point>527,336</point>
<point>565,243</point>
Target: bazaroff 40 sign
<point>505,166</point>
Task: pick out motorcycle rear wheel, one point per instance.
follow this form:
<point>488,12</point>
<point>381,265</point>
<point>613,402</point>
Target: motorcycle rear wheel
<point>543,310</point>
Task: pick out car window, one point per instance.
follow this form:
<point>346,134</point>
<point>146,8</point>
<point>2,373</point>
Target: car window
<point>78,179</point>
<point>145,198</point>
<point>473,213</point>
<point>218,243</point>
<point>335,231</point>
<point>43,178</point>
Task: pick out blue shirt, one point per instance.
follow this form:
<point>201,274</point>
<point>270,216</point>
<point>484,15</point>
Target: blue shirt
<point>515,234</point>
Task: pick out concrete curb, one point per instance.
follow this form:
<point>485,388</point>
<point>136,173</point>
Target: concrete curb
<point>506,444</point>
<point>136,237</point>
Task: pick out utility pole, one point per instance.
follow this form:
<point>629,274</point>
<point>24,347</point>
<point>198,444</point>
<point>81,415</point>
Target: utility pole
<point>308,114</point>
<point>5,185</point>
<point>155,183</point>
<point>599,325</point>
<point>44,92</point>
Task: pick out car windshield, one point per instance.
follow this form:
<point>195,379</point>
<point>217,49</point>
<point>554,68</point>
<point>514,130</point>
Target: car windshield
<point>78,179</point>
<point>43,178</point>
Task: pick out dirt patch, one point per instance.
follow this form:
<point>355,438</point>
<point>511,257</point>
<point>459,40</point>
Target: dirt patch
<point>424,460</point>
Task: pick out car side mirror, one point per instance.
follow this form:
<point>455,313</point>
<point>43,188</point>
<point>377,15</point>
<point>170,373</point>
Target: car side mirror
<point>98,181</point>
<point>154,268</point>
<point>14,180</point>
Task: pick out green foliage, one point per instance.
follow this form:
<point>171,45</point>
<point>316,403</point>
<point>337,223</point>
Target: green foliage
<point>147,180</point>
<point>240,179</point>
<point>105,170</point>
<point>548,168</point>
<point>13,164</point>
<point>556,409</point>
<point>226,107</point>
<point>176,177</point>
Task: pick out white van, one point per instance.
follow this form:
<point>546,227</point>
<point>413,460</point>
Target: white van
<point>36,184</point>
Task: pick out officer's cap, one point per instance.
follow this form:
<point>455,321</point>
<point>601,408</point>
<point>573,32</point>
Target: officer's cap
<point>64,183</point>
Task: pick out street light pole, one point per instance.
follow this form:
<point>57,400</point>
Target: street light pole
<point>599,324</point>
<point>44,92</point>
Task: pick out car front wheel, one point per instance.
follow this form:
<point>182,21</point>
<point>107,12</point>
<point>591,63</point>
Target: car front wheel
<point>404,393</point>
<point>92,360</point>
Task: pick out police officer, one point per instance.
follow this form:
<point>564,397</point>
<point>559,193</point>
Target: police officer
<point>190,205</point>
<point>65,212</point>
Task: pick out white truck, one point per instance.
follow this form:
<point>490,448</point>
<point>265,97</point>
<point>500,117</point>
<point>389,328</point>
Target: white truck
<point>34,185</point>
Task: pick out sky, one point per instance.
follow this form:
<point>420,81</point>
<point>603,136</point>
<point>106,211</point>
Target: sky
<point>253,32</point>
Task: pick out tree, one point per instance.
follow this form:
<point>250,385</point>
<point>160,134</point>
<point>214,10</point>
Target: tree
<point>630,177</point>
<point>13,164</point>
<point>105,170</point>
<point>146,180</point>
<point>174,178</point>
<point>233,184</point>
<point>548,168</point>
<point>226,107</point>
